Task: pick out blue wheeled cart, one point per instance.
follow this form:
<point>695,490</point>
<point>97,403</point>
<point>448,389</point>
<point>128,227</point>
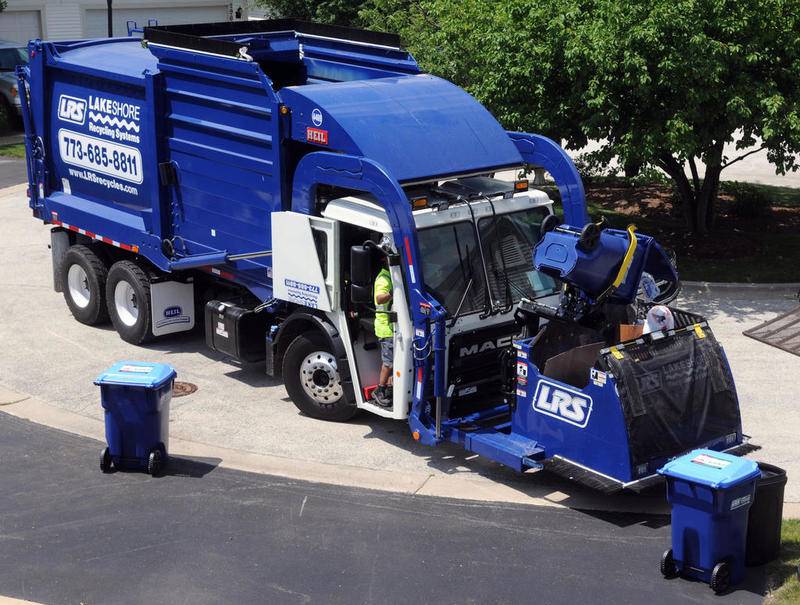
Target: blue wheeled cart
<point>710,493</point>
<point>136,397</point>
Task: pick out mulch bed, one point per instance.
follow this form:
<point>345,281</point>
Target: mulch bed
<point>732,236</point>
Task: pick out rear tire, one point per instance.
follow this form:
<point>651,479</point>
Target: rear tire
<point>84,277</point>
<point>128,300</point>
<point>312,379</point>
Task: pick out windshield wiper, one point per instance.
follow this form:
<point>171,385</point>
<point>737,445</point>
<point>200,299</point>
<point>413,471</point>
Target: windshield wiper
<point>499,243</point>
<point>488,307</point>
<point>457,314</point>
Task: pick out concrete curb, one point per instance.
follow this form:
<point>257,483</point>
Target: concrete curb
<point>526,491</point>
<point>475,488</point>
<point>22,187</point>
<point>742,285</point>
<point>12,601</point>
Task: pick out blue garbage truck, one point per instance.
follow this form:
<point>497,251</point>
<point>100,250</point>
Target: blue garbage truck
<point>255,177</point>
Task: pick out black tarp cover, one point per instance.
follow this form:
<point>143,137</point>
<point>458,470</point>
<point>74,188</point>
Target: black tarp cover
<point>677,393</point>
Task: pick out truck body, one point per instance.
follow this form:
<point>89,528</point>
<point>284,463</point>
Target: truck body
<point>253,177</point>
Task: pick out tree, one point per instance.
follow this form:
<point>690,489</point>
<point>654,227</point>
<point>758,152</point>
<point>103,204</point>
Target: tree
<point>662,82</point>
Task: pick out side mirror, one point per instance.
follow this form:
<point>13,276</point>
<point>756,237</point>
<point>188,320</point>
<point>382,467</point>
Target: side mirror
<point>360,275</point>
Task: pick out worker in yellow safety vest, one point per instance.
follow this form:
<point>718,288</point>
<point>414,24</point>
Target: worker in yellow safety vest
<point>382,297</point>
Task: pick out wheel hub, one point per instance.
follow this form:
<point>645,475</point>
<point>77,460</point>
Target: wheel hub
<point>125,303</point>
<point>320,378</point>
<point>78,284</point>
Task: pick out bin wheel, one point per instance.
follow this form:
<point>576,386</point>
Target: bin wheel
<point>590,237</point>
<point>720,577</point>
<point>105,460</point>
<point>668,567</point>
<point>549,224</point>
<point>155,463</point>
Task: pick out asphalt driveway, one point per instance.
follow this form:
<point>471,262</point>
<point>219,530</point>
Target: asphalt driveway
<point>202,534</point>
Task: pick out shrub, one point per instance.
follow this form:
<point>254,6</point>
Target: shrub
<point>748,200</point>
<point>650,175</point>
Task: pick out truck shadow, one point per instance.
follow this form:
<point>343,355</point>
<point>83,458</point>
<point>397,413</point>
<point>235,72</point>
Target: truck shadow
<point>623,509</point>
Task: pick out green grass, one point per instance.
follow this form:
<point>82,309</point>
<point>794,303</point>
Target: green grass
<point>777,262</point>
<point>783,572</point>
<point>780,197</point>
<point>16,150</point>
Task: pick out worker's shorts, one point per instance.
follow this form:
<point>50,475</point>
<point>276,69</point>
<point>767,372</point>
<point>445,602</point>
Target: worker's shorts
<point>387,351</point>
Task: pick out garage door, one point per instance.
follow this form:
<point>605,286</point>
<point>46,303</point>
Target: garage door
<point>96,23</point>
<point>20,26</point>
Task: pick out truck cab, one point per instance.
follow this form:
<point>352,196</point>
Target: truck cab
<point>476,258</point>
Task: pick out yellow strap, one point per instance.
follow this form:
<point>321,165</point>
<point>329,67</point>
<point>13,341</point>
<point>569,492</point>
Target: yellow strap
<point>617,353</point>
<point>628,259</point>
<point>699,331</point>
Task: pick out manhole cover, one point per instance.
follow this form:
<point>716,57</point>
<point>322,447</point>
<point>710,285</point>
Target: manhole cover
<point>180,389</point>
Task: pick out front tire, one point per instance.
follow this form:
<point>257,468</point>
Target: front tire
<point>312,379</point>
<point>128,299</point>
<point>84,276</point>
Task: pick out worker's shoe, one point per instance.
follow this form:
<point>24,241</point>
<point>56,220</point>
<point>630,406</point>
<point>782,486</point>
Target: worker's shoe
<point>382,396</point>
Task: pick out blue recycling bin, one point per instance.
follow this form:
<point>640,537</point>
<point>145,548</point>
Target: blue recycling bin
<point>710,493</point>
<point>136,397</point>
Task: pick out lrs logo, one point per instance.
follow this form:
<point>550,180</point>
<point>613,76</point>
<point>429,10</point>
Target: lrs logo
<point>72,109</point>
<point>560,402</point>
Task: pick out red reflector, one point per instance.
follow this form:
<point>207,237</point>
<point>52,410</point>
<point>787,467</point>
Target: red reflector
<point>368,392</point>
<point>317,135</point>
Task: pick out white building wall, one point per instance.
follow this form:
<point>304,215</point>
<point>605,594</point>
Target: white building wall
<point>62,21</point>
<point>66,19</point>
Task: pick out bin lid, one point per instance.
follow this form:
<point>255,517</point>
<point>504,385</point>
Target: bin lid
<point>714,469</point>
<point>137,374</point>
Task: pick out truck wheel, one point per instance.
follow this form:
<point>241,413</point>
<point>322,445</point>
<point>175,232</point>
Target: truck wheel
<point>84,277</point>
<point>128,297</point>
<point>312,379</point>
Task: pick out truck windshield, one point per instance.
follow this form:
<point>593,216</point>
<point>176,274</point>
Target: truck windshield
<point>451,258</point>
<point>508,242</point>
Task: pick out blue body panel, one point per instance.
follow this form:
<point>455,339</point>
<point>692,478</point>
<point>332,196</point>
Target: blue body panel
<point>215,123</point>
<point>591,434</point>
<point>415,127</point>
